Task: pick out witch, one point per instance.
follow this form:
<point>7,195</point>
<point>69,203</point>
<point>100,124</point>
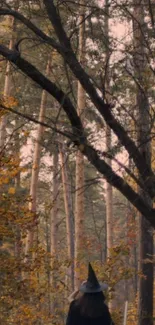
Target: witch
<point>90,307</point>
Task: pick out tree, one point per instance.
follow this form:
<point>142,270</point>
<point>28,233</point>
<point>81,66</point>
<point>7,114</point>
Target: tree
<point>108,139</point>
<point>143,132</point>
<point>69,212</point>
<point>63,45</point>
<point>54,205</point>
<point>108,142</point>
<point>36,166</point>
<point>79,176</point>
<point>8,82</point>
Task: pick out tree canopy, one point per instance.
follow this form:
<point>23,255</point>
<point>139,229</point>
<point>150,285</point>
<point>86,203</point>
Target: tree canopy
<point>56,36</point>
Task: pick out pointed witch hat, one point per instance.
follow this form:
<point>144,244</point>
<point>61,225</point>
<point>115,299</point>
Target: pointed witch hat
<point>92,285</point>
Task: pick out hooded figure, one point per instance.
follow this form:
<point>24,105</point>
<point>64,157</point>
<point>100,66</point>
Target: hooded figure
<point>90,308</point>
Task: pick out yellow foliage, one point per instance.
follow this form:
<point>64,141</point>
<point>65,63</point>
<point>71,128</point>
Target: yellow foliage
<point>5,180</point>
<point>26,133</point>
<point>10,101</point>
<point>11,190</point>
<point>28,293</point>
<point>132,317</point>
<point>25,291</point>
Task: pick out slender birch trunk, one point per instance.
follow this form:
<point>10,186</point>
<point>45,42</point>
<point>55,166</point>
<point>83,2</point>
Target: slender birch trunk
<point>7,84</point>
<point>79,181</point>
<point>145,308</point>
<point>36,166</point>
<point>69,214</point>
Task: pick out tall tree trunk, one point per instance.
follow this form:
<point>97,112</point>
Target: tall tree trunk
<point>109,199</point>
<point>69,213</point>
<point>36,166</point>
<point>54,227</point>
<point>48,264</point>
<point>79,195</point>
<point>108,192</point>
<point>143,128</point>
<point>17,148</point>
<point>18,248</point>
<point>108,140</point>
<point>54,210</point>
<point>132,236</point>
<point>131,241</point>
<point>109,211</point>
<point>7,84</point>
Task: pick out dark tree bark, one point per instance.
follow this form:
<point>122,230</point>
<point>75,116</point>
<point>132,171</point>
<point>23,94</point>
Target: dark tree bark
<point>145,310</point>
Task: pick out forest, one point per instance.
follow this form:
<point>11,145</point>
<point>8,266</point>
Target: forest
<point>77,156</point>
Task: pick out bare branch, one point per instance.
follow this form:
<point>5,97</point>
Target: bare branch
<point>32,72</point>
<point>104,109</point>
<point>118,182</point>
<point>37,31</point>
<point>111,176</point>
<point>31,119</point>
